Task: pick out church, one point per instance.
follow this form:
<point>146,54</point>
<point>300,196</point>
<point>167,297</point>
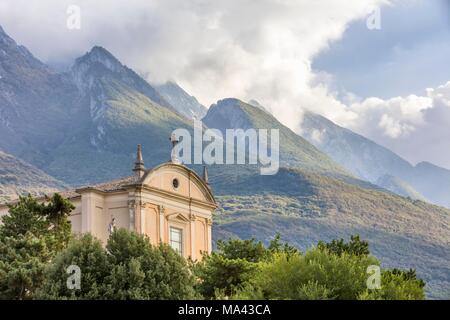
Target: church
<point>169,203</point>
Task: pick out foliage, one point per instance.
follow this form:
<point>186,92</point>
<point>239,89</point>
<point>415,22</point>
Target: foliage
<point>89,255</point>
<point>219,274</point>
<point>397,285</point>
<point>355,246</point>
<point>249,250</point>
<point>22,263</point>
<point>30,236</point>
<point>277,246</point>
<point>233,264</point>
<point>142,271</point>
<point>318,274</point>
<point>246,269</point>
<point>129,268</point>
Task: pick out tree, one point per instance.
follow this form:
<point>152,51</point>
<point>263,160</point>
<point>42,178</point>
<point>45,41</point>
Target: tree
<point>22,263</point>
<point>30,236</point>
<point>222,276</point>
<point>87,253</point>
<point>355,246</point>
<point>128,268</point>
<point>397,285</point>
<point>277,246</point>
<point>246,269</point>
<point>228,269</point>
<point>249,250</point>
<point>142,271</point>
<point>318,274</point>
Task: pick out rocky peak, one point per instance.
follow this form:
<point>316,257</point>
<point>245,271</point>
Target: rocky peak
<point>227,113</point>
<point>183,102</point>
<point>5,40</point>
<point>99,63</point>
<point>101,56</point>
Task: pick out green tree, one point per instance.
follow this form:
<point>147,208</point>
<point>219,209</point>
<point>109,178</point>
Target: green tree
<point>397,285</point>
<point>228,268</point>
<point>249,250</point>
<point>142,271</point>
<point>277,246</point>
<point>219,275</point>
<point>128,268</point>
<point>318,274</point>
<point>31,234</point>
<point>334,270</point>
<point>355,246</point>
<point>88,254</point>
<point>22,263</point>
<point>232,265</point>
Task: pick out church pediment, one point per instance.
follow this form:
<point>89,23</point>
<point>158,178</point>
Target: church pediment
<point>180,180</point>
<point>178,216</point>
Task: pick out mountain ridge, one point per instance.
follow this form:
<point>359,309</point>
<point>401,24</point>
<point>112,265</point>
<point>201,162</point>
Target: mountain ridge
<point>183,102</point>
<point>18,178</point>
<point>232,113</point>
<point>371,161</point>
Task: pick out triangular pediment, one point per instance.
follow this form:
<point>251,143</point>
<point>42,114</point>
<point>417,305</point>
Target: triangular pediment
<point>178,216</point>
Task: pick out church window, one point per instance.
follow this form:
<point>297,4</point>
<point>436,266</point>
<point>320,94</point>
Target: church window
<point>176,239</point>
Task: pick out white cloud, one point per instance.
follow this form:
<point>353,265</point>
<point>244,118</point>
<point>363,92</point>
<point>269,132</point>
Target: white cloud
<point>396,117</point>
<point>248,49</point>
<point>416,127</point>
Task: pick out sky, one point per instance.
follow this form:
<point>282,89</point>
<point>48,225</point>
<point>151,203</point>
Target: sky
<point>378,67</point>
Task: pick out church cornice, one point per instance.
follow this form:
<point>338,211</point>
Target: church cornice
<point>172,195</point>
<point>98,191</point>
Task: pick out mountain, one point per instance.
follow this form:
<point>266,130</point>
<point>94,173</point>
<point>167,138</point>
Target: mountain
<point>255,103</point>
<point>399,187</point>
<point>94,114</point>
<point>184,103</point>
<point>120,110</point>
<point>18,177</point>
<point>431,181</point>
<point>358,154</point>
<point>294,151</point>
<point>35,103</point>
<point>82,126</point>
<point>373,163</point>
<point>101,64</point>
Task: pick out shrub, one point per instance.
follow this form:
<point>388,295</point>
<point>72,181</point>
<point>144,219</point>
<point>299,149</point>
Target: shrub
<point>129,268</point>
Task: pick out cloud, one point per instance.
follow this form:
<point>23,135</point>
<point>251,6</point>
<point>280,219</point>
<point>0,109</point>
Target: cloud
<point>416,127</point>
<point>396,60</point>
<point>248,49</point>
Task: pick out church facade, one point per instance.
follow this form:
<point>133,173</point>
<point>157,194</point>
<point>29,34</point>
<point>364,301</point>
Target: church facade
<point>169,203</point>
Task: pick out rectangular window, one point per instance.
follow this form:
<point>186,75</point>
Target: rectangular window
<point>176,239</point>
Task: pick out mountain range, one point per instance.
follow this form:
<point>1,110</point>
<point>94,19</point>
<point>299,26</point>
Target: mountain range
<point>184,103</point>
<point>377,164</point>
<point>81,126</point>
<point>18,178</point>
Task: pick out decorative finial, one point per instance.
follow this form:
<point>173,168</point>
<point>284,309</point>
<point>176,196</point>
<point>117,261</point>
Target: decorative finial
<point>205,175</point>
<point>173,157</point>
<point>139,168</point>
